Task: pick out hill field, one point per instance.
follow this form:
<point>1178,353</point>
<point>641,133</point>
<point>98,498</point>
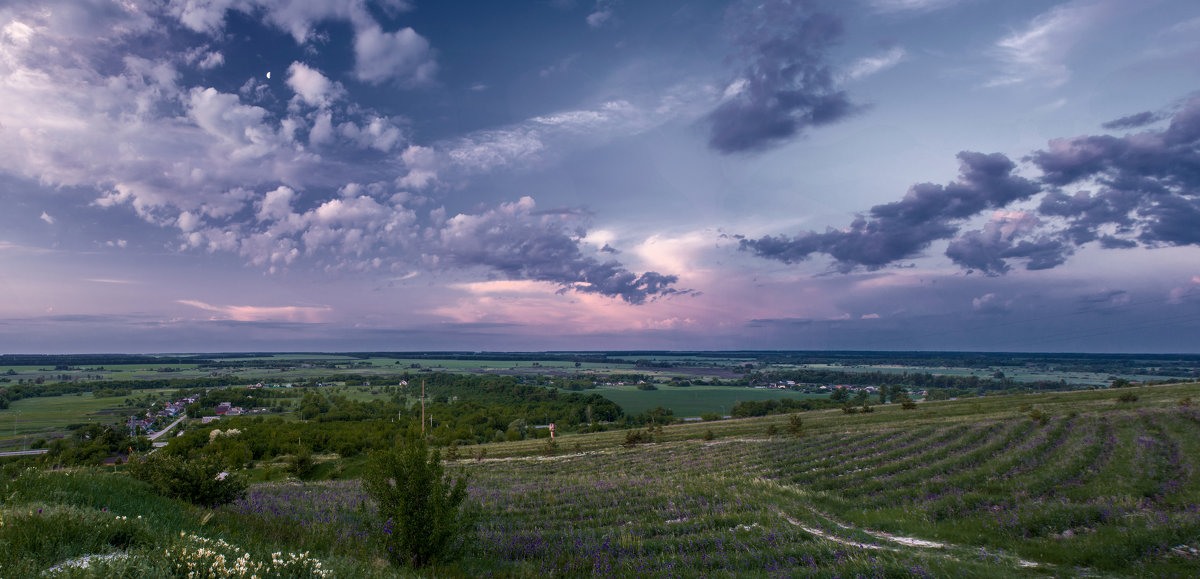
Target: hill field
<point>1092,483</point>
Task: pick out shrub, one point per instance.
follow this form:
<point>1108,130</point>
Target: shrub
<point>796,426</point>
<point>302,462</point>
<point>848,408</point>
<point>708,434</point>
<point>422,514</point>
<point>1127,397</point>
<point>1185,401</point>
<point>1038,416</point>
<point>201,481</point>
<point>908,404</point>
<point>638,437</point>
<point>550,447</point>
<point>772,430</point>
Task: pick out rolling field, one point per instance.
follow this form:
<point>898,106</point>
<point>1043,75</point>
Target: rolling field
<point>1062,485</point>
<point>42,417</point>
<point>1081,484</point>
<point>692,400</point>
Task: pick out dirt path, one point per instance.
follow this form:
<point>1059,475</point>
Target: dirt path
<point>891,542</point>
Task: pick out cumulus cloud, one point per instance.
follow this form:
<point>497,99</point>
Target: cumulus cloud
<point>988,250</point>
<point>47,218</point>
<point>211,60</point>
<point>312,87</point>
<point>1120,192</point>
<point>1147,186</point>
<point>518,244</point>
<point>784,86</point>
<point>232,171</point>
<point>902,229</point>
<point>403,55</point>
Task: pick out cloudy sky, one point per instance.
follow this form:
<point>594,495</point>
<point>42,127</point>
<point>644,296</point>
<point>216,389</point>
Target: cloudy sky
<point>219,175</point>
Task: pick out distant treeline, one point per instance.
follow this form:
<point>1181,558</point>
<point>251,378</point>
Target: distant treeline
<point>1165,365</point>
<point>459,409</point>
<point>107,387</point>
<point>910,380</point>
<point>74,360</point>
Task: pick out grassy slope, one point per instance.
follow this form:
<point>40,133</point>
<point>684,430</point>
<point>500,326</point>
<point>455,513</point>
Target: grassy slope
<point>1077,483</point>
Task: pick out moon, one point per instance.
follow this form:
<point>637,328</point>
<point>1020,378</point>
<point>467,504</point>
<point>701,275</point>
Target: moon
<point>268,75</point>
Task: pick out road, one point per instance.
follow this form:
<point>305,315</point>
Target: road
<point>155,435</point>
<point>25,452</point>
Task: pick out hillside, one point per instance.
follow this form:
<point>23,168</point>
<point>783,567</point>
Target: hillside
<point>1090,483</point>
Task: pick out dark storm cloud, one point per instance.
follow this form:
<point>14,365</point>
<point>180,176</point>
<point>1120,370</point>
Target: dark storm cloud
<point>784,85</point>
<point>899,230</point>
<point>1148,183</point>
<point>1144,190</point>
<point>1134,121</point>
<point>522,245</point>
<point>1087,212</point>
<point>976,250</point>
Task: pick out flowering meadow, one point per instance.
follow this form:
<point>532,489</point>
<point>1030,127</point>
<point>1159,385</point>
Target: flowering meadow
<point>1067,485</point>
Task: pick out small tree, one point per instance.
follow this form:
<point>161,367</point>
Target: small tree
<point>202,481</point>
<point>421,510</point>
<point>796,426</point>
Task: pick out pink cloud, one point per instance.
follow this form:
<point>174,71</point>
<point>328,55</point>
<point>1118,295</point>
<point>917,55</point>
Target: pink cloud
<point>295,314</point>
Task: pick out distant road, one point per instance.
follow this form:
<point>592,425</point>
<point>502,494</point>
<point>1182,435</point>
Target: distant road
<point>153,436</point>
<point>25,452</point>
<point>168,427</point>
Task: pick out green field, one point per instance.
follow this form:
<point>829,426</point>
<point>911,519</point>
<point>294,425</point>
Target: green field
<point>692,400</point>
<point>1076,484</point>
<point>34,418</point>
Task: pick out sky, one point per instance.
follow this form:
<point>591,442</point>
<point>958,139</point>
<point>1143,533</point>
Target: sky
<point>389,175</point>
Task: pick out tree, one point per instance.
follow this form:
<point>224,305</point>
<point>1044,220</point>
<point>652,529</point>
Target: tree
<point>422,511</point>
<point>200,481</point>
<point>796,425</point>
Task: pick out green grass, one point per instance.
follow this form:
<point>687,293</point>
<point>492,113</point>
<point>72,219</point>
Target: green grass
<point>691,400</point>
<point>46,416</point>
<point>1083,487</point>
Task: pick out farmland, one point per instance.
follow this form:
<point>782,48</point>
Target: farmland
<point>1090,483</point>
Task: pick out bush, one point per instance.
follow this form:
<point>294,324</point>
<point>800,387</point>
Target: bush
<point>302,464</point>
<point>422,514</point>
<point>708,434</point>
<point>908,404</point>
<point>796,426</point>
<point>1127,397</point>
<point>1039,416</point>
<point>772,430</point>
<point>200,481</point>
<point>641,436</point>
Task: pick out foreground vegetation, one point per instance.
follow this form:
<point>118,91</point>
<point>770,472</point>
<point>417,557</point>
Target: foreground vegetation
<point>1093,483</point>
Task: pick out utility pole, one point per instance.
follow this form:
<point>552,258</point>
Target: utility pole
<point>422,407</point>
